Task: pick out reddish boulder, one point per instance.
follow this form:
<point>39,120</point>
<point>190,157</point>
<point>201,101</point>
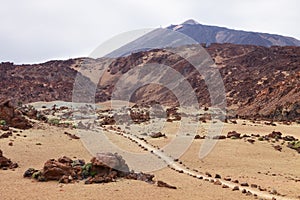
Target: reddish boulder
<point>6,163</point>
<point>12,117</point>
<point>55,170</point>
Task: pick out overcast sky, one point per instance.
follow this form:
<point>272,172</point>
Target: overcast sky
<point>34,31</point>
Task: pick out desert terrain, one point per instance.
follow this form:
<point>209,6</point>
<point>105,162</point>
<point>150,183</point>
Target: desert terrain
<point>255,165</point>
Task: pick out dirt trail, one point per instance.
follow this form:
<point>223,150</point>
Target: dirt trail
<point>180,168</point>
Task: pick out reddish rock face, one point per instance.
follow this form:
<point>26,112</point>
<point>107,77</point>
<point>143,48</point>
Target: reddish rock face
<point>260,82</point>
<point>12,117</point>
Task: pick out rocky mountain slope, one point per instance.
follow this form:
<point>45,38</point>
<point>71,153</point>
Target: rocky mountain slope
<point>259,81</point>
<point>213,34</point>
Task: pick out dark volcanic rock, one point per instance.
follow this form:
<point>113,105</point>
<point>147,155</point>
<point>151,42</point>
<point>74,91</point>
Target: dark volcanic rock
<point>104,168</point>
<point>6,163</point>
<point>275,135</point>
<point>12,117</point>
<point>163,184</point>
<point>6,135</point>
<point>233,134</point>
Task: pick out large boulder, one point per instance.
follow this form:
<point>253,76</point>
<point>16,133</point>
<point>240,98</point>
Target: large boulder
<point>105,167</point>
<point>55,170</point>
<point>110,160</point>
<point>12,117</point>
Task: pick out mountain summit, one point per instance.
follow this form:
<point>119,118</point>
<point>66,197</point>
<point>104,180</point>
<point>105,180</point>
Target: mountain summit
<point>214,34</point>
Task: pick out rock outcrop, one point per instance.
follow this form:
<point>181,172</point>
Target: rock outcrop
<point>104,168</point>
<point>10,116</point>
<point>6,163</point>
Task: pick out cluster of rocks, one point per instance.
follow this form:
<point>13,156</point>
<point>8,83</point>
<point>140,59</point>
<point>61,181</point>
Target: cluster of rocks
<point>6,163</point>
<point>139,115</point>
<point>104,168</point>
<point>6,135</point>
<point>107,120</point>
<point>274,136</point>
<point>12,117</point>
<point>173,114</point>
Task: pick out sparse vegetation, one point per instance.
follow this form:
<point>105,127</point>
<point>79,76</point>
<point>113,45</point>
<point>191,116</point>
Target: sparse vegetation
<point>2,122</point>
<point>54,121</point>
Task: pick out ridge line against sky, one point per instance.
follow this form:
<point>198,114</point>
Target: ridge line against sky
<point>34,31</point>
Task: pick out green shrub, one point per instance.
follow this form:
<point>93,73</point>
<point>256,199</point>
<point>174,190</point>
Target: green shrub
<point>260,139</point>
<point>295,144</point>
<point>2,122</point>
<point>54,121</point>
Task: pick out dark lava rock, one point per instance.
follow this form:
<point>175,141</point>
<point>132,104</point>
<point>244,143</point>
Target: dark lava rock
<point>278,148</point>
<point>233,134</point>
<point>163,184</point>
<point>197,137</point>
<point>6,135</point>
<point>6,163</point>
<point>245,184</point>
<point>251,141</point>
<point>218,176</point>
<point>235,188</point>
<point>104,168</point>
<point>208,174</point>
<point>275,135</point>
<point>12,116</point>
<point>4,128</point>
<point>72,136</point>
<point>289,138</point>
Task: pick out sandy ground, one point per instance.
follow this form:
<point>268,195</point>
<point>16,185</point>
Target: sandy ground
<point>235,158</point>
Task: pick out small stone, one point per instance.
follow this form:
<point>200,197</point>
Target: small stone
<point>218,176</point>
<point>245,184</point>
<point>208,174</point>
<point>274,192</point>
<point>218,182</point>
<point>235,188</point>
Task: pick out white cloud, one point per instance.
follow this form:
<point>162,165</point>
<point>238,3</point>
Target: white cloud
<point>34,30</point>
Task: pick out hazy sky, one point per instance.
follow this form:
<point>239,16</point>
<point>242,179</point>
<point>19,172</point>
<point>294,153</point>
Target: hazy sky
<point>39,30</point>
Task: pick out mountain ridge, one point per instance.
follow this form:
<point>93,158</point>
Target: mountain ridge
<point>217,34</point>
<point>259,81</point>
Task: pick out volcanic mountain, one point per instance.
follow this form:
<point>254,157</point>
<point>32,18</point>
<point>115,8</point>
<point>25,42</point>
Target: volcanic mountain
<point>213,34</point>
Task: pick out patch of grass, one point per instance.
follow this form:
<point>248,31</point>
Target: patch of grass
<point>54,121</point>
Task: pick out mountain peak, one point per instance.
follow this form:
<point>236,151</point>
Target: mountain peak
<point>190,22</point>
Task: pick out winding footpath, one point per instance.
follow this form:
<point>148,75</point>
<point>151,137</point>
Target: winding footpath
<point>180,168</point>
